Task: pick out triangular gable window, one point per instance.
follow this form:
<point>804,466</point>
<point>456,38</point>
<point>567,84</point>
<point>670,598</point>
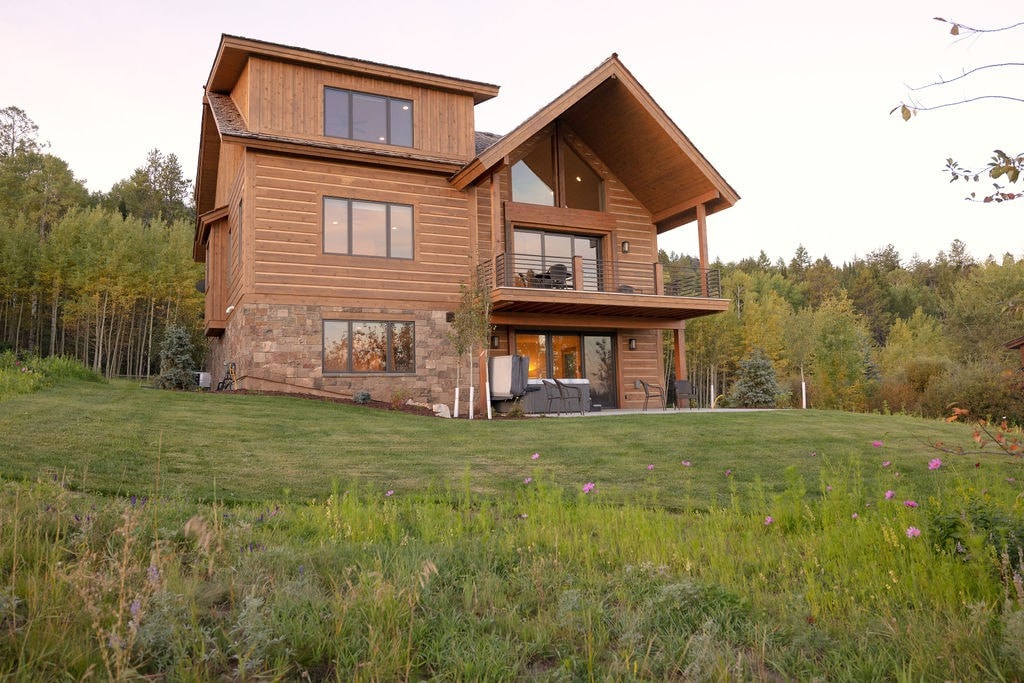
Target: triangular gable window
<point>555,175</point>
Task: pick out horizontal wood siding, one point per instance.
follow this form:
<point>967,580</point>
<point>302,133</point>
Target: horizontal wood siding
<point>287,100</point>
<point>289,258</point>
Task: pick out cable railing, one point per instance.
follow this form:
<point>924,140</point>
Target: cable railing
<point>596,275</point>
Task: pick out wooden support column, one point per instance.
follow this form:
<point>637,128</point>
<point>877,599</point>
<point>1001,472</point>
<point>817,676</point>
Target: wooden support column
<point>679,338</point>
<point>577,272</point>
<point>702,240</point>
<point>659,279</point>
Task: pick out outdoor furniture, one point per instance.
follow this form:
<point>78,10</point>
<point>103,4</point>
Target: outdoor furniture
<point>558,276</point>
<point>653,391</point>
<point>552,393</point>
<point>684,391</point>
<point>571,392</point>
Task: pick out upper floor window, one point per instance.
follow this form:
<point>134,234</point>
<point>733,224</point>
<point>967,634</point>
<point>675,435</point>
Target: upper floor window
<point>553,174</point>
<point>362,228</point>
<point>370,118</point>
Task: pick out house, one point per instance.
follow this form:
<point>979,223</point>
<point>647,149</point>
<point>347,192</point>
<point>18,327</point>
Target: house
<point>341,203</point>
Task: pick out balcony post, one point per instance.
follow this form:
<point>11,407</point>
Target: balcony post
<point>577,273</point>
<point>659,279</point>
<point>702,240</point>
<point>679,337</point>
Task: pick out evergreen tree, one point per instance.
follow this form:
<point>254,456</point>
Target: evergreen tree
<point>757,386</point>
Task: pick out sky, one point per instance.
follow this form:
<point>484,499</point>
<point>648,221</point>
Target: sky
<point>788,100</point>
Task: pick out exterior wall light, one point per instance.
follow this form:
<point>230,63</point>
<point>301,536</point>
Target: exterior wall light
<point>495,341</point>
<point>625,246</point>
<point>632,343</point>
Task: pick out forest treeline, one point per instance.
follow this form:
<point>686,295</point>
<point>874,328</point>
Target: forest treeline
<point>95,276</point>
<point>100,276</point>
<point>877,334</point>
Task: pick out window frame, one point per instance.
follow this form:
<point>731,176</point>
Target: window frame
<point>350,233</point>
<point>389,354</point>
<point>390,127</point>
<point>557,141</point>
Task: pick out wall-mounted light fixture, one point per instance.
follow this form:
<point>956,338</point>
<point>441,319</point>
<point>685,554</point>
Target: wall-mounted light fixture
<point>495,341</point>
<point>625,246</point>
<point>632,343</point>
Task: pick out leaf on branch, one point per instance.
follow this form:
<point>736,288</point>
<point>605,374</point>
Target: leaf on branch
<point>905,112</point>
<point>955,31</point>
<point>939,19</point>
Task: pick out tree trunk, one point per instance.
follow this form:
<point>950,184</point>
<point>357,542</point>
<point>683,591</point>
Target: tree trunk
<point>53,322</point>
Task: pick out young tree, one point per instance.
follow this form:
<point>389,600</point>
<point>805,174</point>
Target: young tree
<point>756,386</point>
<point>471,327</point>
<point>176,362</point>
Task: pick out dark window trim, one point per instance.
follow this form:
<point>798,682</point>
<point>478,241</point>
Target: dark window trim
<point>555,139</point>
<point>387,117</point>
<point>389,354</point>
<point>348,217</point>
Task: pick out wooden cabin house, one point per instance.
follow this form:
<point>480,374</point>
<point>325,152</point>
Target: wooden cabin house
<point>341,204</point>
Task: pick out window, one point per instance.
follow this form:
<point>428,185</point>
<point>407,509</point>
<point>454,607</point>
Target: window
<point>370,118</point>
<point>352,346</point>
<point>555,175</point>
<point>538,250</point>
<point>361,228</point>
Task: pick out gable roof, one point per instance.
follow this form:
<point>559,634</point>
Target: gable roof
<point>633,136</point>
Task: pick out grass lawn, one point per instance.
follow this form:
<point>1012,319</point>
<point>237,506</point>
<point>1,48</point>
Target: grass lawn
<point>207,536</point>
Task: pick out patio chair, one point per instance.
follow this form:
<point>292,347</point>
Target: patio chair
<point>571,392</point>
<point>558,276</point>
<point>684,391</point>
<point>653,391</point>
<point>553,393</point>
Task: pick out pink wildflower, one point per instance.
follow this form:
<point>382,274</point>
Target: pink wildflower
<point>527,480</point>
<point>686,463</point>
<point>913,532</point>
<point>877,444</point>
<point>390,493</point>
<point>910,503</point>
<point>828,488</point>
<point>768,520</point>
<point>728,473</point>
<point>588,487</point>
<point>890,494</point>
<point>934,464</point>
<point>650,467</point>
<point>535,456</point>
<point>886,463</point>
<point>854,515</point>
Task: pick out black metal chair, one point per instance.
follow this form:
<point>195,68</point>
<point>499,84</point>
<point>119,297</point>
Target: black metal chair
<point>653,391</point>
<point>571,392</point>
<point>558,276</point>
<point>685,391</point>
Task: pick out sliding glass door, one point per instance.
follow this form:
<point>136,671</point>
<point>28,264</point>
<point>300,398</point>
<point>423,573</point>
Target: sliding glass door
<point>572,355</point>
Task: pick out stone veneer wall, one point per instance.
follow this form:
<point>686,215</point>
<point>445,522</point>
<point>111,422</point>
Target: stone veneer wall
<point>278,347</point>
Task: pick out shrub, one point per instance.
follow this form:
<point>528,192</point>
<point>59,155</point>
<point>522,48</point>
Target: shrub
<point>361,397</point>
<point>757,386</point>
<point>176,362</point>
<point>986,389</point>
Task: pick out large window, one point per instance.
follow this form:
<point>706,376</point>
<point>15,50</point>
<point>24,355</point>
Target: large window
<point>539,250</point>
<point>370,118</point>
<point>553,174</point>
<point>369,346</point>
<point>363,228</point>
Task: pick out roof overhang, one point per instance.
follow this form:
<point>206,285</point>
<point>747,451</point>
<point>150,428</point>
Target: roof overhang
<point>623,125</point>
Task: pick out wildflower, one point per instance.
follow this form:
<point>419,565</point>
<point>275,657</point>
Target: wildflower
<point>768,520</point>
<point>135,608</point>
<point>390,493</point>
<point>913,532</point>
<point>153,574</point>
<point>828,488</point>
<point>527,480</point>
<point>523,516</point>
<point>977,464</point>
<point>910,503</point>
<point>814,454</point>
<point>934,464</point>
<point>650,467</point>
<point>588,487</point>
<point>890,494</point>
<point>728,473</point>
<point>886,463</point>
<point>535,456</point>
<point>877,444</point>
<point>854,516</point>
<point>686,463</point>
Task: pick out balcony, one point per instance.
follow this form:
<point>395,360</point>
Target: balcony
<point>527,283</point>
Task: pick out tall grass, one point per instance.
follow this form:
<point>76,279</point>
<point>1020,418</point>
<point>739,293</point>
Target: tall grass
<point>24,375</point>
<point>816,579</point>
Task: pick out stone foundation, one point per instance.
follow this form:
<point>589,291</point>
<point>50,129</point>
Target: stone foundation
<point>280,347</point>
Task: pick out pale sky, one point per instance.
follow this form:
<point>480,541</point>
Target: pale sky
<point>789,100</point>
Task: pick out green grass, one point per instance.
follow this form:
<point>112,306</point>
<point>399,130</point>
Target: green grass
<point>262,545</point>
